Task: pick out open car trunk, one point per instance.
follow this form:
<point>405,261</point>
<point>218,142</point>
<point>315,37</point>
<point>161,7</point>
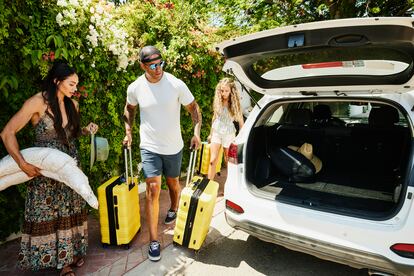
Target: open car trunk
<point>364,148</point>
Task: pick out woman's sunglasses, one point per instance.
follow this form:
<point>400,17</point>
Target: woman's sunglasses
<point>155,65</point>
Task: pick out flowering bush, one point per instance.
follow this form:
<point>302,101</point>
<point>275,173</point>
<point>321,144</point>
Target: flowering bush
<point>103,28</point>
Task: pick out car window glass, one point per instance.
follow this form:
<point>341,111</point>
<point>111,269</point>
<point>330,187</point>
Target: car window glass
<point>371,61</point>
<point>348,112</point>
<point>275,117</point>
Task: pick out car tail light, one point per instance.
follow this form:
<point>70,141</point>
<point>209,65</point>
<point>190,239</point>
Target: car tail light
<point>232,155</point>
<point>405,250</point>
<point>234,207</point>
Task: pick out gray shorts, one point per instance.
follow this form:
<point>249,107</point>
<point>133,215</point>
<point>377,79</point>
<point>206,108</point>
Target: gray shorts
<point>155,164</point>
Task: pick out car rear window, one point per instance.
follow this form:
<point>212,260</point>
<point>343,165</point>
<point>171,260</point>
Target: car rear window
<point>338,61</point>
<point>351,113</point>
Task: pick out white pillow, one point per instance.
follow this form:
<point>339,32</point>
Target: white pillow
<point>54,164</point>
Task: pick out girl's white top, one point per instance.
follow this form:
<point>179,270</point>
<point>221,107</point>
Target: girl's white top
<point>223,124</point>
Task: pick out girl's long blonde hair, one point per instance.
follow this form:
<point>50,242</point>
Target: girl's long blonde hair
<point>234,100</point>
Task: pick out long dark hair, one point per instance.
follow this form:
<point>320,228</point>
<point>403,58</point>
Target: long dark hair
<point>59,72</point>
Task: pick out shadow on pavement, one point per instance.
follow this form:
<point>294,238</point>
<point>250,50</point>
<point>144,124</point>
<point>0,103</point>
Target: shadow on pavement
<point>268,258</point>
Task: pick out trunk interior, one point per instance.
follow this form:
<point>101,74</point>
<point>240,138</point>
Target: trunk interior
<point>364,149</point>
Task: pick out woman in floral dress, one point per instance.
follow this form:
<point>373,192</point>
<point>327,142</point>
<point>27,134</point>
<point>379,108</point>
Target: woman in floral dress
<point>55,232</point>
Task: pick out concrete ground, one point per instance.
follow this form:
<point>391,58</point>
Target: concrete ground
<point>177,260</point>
<point>116,260</point>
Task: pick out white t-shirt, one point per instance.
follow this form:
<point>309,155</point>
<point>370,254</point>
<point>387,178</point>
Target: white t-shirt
<point>160,105</point>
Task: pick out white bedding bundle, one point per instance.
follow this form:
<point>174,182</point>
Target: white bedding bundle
<point>54,164</point>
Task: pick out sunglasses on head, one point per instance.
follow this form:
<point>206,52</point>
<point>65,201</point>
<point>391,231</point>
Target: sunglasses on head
<point>155,65</point>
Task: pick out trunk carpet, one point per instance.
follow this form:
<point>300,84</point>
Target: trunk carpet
<point>337,203</point>
<point>346,191</point>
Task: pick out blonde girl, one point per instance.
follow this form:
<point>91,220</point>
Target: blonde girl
<point>226,108</point>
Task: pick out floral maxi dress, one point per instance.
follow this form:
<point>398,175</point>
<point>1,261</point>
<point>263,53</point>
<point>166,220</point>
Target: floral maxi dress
<point>55,219</point>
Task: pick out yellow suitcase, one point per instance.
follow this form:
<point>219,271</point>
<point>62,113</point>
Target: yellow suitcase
<point>119,212</point>
<point>203,159</point>
<point>195,211</point>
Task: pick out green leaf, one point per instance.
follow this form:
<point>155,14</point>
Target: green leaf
<point>26,51</point>
<point>26,63</point>
<point>376,10</point>
<point>5,92</point>
<point>3,82</point>
<point>58,53</point>
<point>65,53</point>
<point>59,41</point>
<point>48,39</point>
<point>36,56</point>
<point>19,31</point>
<point>14,83</point>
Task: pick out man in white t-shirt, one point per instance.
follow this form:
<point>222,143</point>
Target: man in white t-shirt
<point>159,96</point>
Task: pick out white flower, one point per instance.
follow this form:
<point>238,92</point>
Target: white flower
<point>93,40</point>
<point>122,62</point>
<point>74,3</point>
<point>59,19</point>
<point>73,16</point>
<point>104,30</point>
<point>99,9</point>
<point>112,47</point>
<point>62,3</point>
<point>85,3</point>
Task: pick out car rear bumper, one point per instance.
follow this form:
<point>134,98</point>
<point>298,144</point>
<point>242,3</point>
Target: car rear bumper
<point>322,250</point>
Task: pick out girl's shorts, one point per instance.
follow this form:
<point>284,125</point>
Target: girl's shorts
<point>224,139</point>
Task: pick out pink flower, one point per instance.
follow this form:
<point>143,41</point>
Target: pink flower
<point>169,6</point>
<point>52,56</point>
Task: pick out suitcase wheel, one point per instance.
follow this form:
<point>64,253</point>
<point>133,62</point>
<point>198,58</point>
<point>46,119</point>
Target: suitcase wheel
<point>126,246</point>
<point>104,245</point>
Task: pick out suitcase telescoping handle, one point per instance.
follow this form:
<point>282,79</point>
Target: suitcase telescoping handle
<point>126,151</point>
<point>191,165</point>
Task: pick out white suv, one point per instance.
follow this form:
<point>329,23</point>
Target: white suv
<point>341,91</point>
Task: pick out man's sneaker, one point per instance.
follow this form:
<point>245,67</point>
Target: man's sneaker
<point>154,251</point>
<point>171,216</point>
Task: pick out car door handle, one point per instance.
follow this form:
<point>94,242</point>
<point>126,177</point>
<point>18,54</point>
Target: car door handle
<point>349,40</point>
